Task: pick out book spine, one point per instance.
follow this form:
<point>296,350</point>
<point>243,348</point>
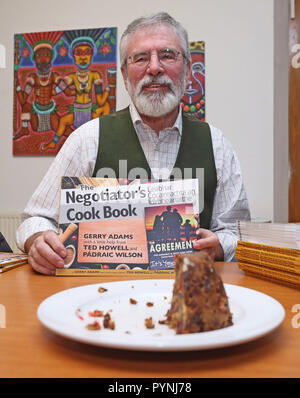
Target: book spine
<point>276,261</point>
<point>272,278</point>
<point>270,271</point>
<point>272,249</point>
<point>9,263</point>
<point>9,267</point>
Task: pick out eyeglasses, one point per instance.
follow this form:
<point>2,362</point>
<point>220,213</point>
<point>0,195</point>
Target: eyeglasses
<point>166,56</point>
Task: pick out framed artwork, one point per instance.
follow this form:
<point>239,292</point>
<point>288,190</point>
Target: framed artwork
<point>193,101</point>
<point>62,79</point>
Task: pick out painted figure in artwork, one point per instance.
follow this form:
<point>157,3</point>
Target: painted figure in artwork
<point>193,101</point>
<point>81,84</point>
<point>41,114</point>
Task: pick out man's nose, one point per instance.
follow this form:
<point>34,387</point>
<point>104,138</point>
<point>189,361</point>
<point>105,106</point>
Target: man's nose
<point>154,67</point>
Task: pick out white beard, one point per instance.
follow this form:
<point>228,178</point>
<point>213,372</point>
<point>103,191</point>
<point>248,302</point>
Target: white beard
<point>158,103</point>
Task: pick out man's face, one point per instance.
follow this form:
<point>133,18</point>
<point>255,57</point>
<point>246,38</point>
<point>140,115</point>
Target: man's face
<point>43,57</point>
<point>83,56</point>
<point>157,88</point>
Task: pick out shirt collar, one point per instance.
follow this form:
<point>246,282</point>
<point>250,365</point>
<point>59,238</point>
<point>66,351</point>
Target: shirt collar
<point>136,118</point>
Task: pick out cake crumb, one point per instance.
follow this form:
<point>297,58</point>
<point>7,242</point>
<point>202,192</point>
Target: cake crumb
<point>149,323</point>
<point>108,323</point>
<point>93,326</point>
<point>163,322</point>
<point>102,289</point>
<point>133,301</point>
<point>96,313</point>
<point>149,304</point>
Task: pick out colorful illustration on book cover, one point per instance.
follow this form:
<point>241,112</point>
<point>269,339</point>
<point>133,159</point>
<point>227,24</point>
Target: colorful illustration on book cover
<point>170,230</point>
<point>193,101</point>
<point>62,79</point>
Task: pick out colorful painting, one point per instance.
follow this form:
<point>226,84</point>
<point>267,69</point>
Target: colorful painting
<point>62,79</point>
<point>193,101</point>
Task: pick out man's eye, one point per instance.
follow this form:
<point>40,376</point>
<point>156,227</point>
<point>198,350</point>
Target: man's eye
<point>167,55</point>
<point>141,58</point>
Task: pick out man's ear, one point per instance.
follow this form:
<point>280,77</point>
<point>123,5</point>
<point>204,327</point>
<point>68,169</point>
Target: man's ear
<point>124,74</point>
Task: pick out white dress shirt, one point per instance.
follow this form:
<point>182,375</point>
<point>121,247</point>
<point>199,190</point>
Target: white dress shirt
<point>77,157</point>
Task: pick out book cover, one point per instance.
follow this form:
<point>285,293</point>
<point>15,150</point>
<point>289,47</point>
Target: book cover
<point>107,225</point>
<point>170,230</point>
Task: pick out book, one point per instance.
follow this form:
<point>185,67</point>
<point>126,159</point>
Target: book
<point>4,246</point>
<point>6,268</point>
<point>267,258</point>
<point>270,251</point>
<point>11,260</point>
<point>274,257</point>
<point>285,278</point>
<point>119,226</point>
<point>284,235</point>
<point>169,229</point>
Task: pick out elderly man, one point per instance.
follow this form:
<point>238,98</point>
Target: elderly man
<point>153,135</point>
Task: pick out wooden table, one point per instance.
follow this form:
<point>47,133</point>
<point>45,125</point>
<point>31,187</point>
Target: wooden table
<point>28,349</point>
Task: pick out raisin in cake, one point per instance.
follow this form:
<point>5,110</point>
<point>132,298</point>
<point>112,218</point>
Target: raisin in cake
<point>199,301</point>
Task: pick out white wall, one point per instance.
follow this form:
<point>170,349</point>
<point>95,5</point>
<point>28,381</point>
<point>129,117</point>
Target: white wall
<point>239,79</point>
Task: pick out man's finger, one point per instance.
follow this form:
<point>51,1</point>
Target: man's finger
<point>204,243</point>
<point>39,259</point>
<point>43,249</point>
<point>39,268</point>
<point>52,239</point>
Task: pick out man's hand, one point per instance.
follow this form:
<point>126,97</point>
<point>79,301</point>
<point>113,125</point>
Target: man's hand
<point>45,252</point>
<point>209,242</point>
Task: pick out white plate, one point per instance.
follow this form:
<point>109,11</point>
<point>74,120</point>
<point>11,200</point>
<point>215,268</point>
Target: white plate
<point>67,313</point>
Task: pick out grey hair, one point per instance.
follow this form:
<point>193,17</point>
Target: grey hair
<point>158,18</point>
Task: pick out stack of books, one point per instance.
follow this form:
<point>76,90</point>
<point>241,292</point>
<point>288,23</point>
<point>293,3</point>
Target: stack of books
<point>270,250</point>
<point>10,261</point>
